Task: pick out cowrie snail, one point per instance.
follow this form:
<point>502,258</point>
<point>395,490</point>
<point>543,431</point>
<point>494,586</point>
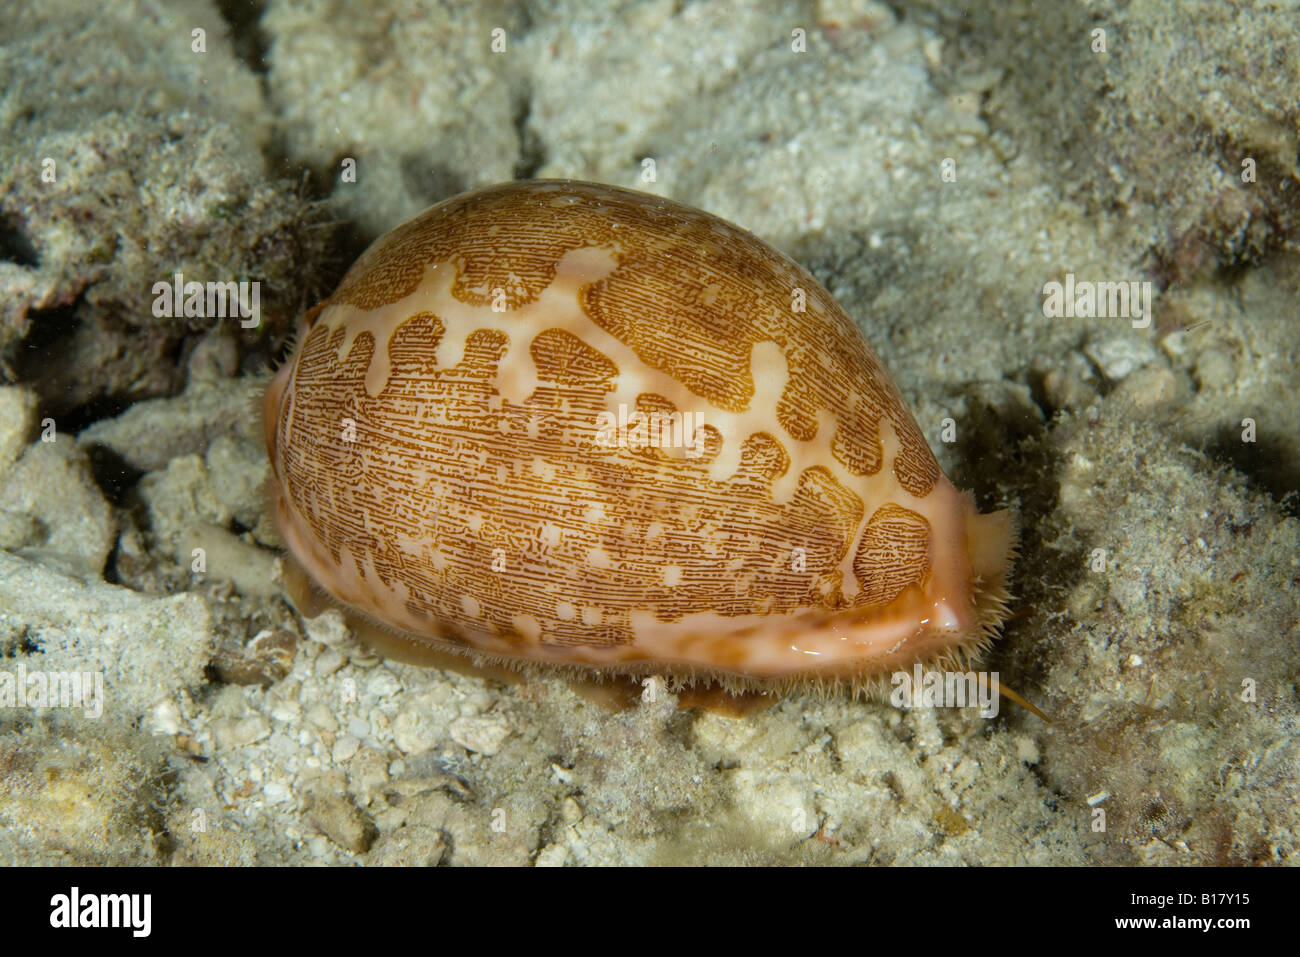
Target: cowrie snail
<point>565,423</point>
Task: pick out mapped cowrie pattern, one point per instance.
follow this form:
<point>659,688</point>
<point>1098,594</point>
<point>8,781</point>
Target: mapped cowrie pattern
<point>562,422</point>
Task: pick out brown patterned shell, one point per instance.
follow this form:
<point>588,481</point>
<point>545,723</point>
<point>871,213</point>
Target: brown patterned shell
<point>565,422</point>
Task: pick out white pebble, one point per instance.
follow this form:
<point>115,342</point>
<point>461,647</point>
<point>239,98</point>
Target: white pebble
<point>1119,356</point>
<point>344,748</point>
<point>383,684</point>
<point>322,717</point>
<point>484,735</point>
<point>275,792</point>
<point>328,628</point>
<point>552,855</point>
<point>166,718</point>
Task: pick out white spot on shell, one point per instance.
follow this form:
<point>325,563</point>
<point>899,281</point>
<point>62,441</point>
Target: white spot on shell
<point>543,470</point>
<point>528,626</point>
